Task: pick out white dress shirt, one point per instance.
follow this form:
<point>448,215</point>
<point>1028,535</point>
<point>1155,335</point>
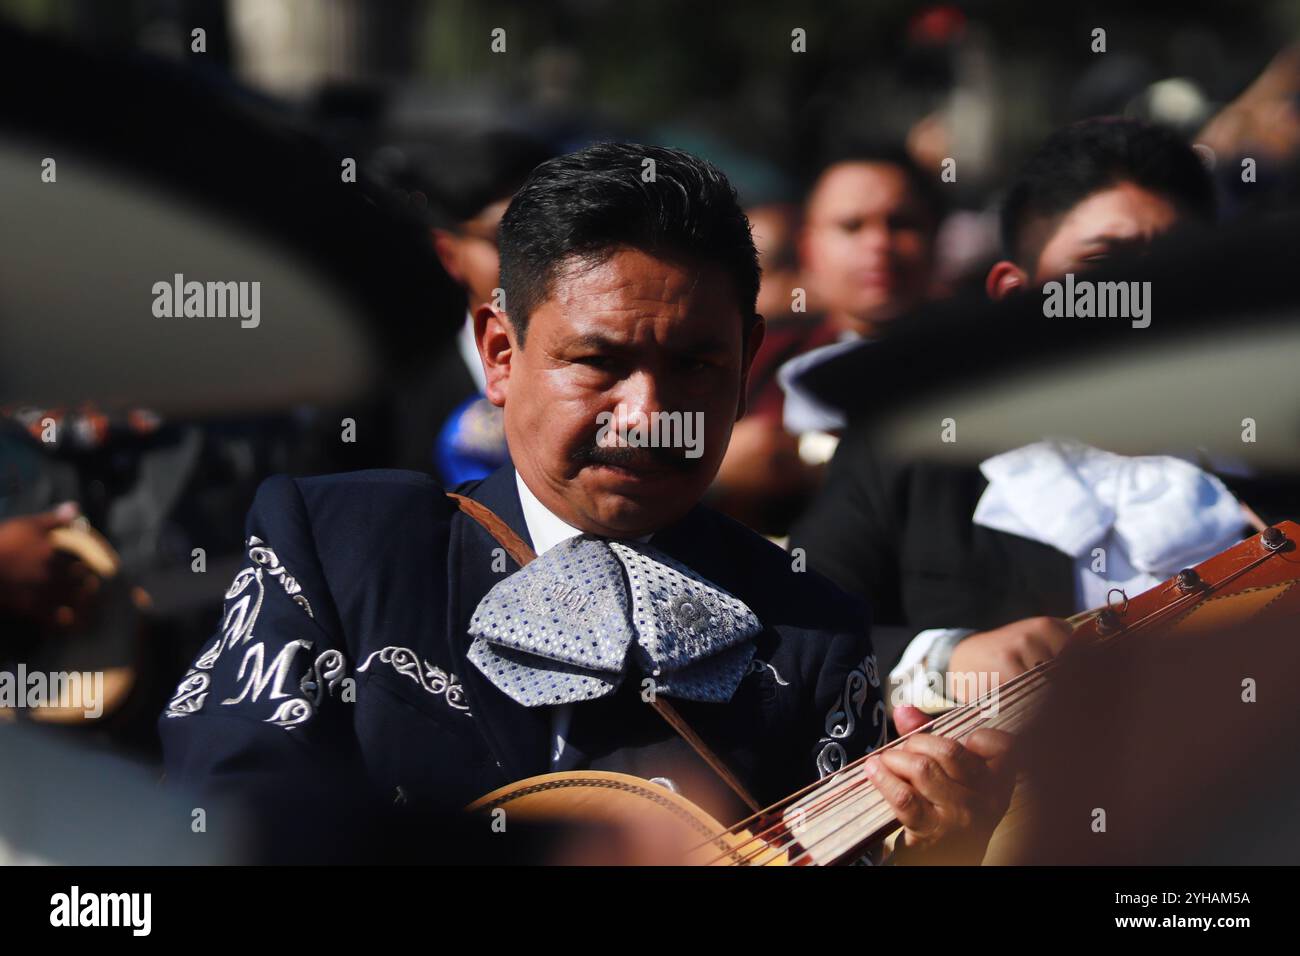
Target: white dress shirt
<point>468,349</point>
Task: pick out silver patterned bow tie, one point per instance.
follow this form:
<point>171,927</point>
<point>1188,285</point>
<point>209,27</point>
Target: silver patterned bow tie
<point>567,626</point>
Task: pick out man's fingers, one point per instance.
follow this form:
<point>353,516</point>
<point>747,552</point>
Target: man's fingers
<point>908,718</point>
<point>927,777</point>
<point>912,812</point>
<point>57,517</point>
<point>957,762</point>
<point>1053,633</point>
<point>1037,651</point>
<point>992,746</point>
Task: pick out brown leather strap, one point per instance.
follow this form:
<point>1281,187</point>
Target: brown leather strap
<point>678,723</point>
<point>515,546</point>
<point>519,550</point>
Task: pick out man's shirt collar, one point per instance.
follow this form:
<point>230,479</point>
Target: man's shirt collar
<point>544,527</point>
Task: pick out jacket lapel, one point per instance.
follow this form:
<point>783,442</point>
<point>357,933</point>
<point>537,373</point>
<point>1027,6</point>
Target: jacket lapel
<point>519,736</point>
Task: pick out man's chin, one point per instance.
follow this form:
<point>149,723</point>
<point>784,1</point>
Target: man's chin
<point>632,507</point>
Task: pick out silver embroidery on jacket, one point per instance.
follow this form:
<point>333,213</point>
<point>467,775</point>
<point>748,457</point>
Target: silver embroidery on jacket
<point>326,674</point>
<point>291,713</point>
<point>756,667</point>
<point>191,692</point>
<point>261,676</point>
<point>434,680</point>
<point>843,717</point>
<point>264,556</point>
<point>247,592</point>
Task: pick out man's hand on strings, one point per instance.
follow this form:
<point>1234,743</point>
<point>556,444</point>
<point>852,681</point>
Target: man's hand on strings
<point>949,796</point>
<point>1003,653</point>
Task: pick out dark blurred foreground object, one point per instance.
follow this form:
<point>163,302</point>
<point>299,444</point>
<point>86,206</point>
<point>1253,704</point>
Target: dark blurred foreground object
<point>1174,736</point>
<point>162,171</point>
<point>68,805</point>
<point>1219,349</point>
<point>64,804</point>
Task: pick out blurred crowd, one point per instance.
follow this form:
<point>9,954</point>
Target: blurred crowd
<point>104,513</point>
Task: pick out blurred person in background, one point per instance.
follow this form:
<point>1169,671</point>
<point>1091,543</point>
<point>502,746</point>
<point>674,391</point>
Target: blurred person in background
<point>861,256</point>
<point>1094,190</point>
<point>445,425</point>
<point>762,481</point>
<point>956,552</point>
<point>868,251</point>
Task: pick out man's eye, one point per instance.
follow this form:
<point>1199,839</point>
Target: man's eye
<point>693,364</point>
<point>602,362</point>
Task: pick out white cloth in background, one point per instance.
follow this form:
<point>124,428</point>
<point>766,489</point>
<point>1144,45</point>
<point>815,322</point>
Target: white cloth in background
<point>801,410</point>
<point>468,349</point>
<point>1152,516</point>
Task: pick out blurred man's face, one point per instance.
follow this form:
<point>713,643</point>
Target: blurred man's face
<point>868,243</point>
<point>1120,219</point>
<point>637,332</point>
<point>469,253</point>
<point>1124,218</point>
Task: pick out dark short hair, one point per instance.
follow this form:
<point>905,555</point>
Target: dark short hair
<point>1093,154</point>
<point>851,149</point>
<point>586,204</point>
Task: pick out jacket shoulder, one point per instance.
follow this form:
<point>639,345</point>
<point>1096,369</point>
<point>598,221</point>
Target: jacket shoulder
<point>355,495</point>
<point>354,529</point>
<point>781,582</point>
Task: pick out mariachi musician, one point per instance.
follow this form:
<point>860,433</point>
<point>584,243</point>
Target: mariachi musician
<point>387,629</point>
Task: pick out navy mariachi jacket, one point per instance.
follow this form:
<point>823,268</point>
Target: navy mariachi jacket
<point>342,648</point>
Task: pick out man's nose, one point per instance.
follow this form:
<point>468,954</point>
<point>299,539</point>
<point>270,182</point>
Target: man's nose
<point>643,391</point>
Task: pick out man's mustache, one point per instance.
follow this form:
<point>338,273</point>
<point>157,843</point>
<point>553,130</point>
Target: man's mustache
<point>633,458</point>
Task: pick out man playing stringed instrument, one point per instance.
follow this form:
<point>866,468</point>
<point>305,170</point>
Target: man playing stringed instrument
<point>408,638</point>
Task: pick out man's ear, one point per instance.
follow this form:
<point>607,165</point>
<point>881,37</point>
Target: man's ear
<point>753,342</point>
<point>1005,278</point>
<point>495,338</point>
<point>446,245</point>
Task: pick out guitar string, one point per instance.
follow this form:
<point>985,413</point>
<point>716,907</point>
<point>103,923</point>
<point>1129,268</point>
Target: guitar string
<point>1192,598</point>
<point>948,725</point>
<point>735,828</point>
<point>882,817</point>
<point>849,789</point>
<point>882,813</point>
<point>953,725</point>
<point>839,785</point>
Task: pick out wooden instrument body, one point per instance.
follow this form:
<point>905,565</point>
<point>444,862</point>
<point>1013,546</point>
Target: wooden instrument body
<point>681,831</point>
